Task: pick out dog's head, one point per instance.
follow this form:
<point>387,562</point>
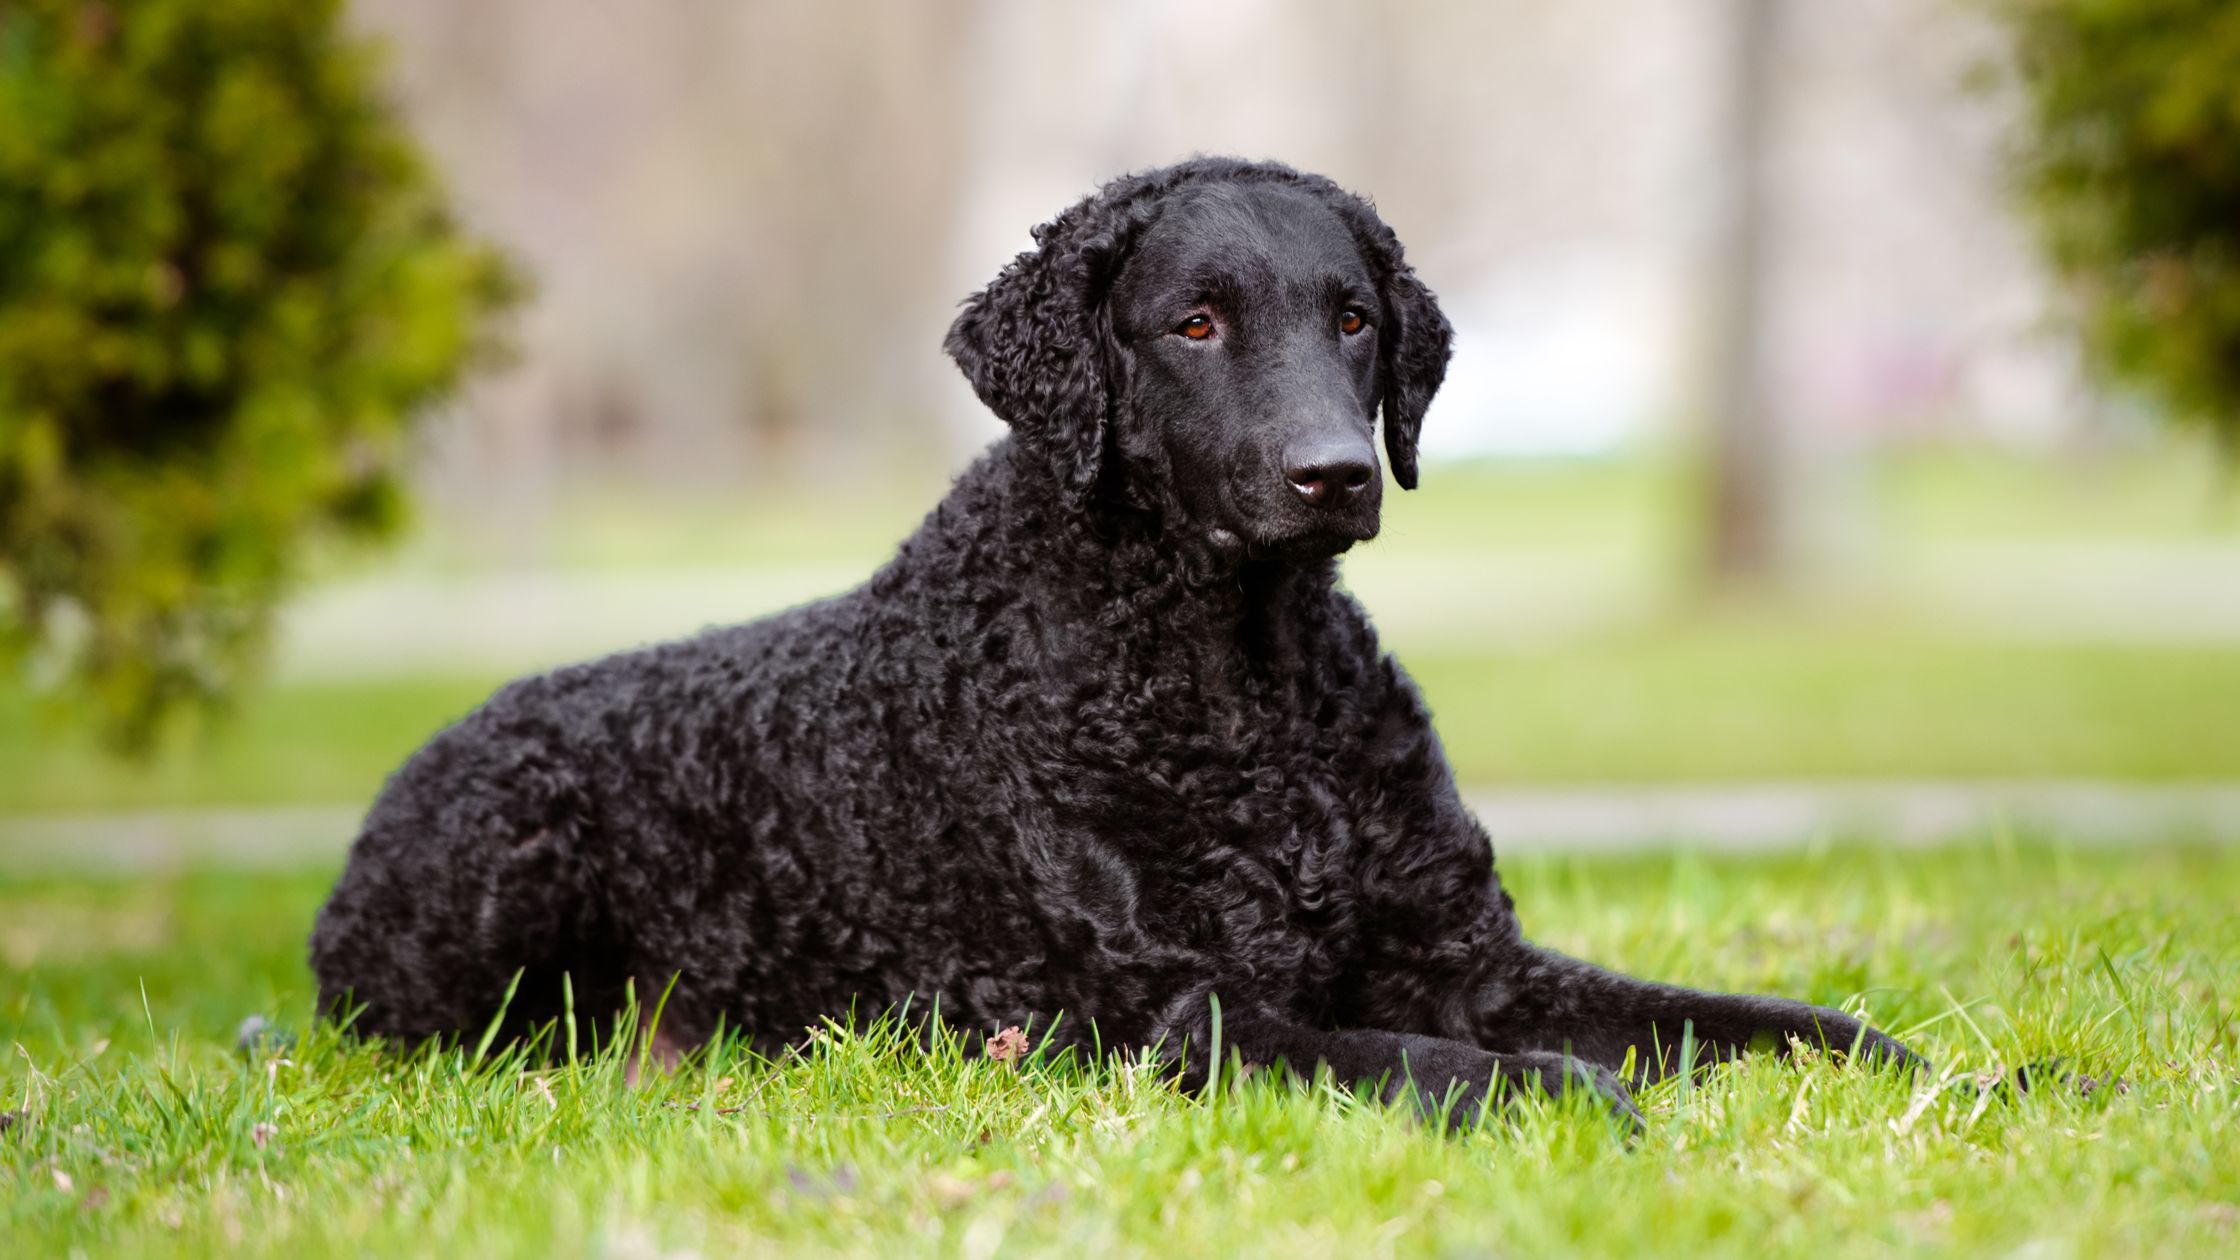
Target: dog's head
<point>1213,341</point>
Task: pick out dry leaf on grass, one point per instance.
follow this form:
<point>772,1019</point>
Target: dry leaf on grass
<point>1009,1045</point>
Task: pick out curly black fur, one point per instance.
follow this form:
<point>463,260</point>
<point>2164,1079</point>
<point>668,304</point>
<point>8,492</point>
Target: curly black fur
<point>1085,748</point>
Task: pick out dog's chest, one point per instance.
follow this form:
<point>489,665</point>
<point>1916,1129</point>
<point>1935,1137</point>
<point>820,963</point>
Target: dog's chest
<point>1256,824</point>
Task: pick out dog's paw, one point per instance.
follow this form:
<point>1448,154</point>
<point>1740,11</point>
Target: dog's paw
<point>1831,1031</point>
<point>1876,1049</point>
<point>1560,1074</point>
<point>1880,1050</point>
<point>1503,1078</point>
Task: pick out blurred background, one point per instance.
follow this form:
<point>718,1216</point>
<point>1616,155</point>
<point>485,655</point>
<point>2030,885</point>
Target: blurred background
<point>1771,496</point>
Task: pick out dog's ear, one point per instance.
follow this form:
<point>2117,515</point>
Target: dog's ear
<point>1415,340</point>
<point>1037,346</point>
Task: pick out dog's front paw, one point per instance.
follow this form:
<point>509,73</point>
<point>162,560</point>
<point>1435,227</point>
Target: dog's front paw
<point>1862,1043</point>
<point>1879,1049</point>
<point>1558,1074</point>
<point>1500,1079</point>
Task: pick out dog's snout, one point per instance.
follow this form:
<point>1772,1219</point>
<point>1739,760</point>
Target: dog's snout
<point>1331,474</point>
<point>1330,485</point>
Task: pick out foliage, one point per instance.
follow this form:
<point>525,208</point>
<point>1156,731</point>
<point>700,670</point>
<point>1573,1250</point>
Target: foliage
<point>2132,164</point>
<point>228,286</point>
<point>140,1129</point>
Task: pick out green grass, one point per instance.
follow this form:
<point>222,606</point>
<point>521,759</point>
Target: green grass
<point>1744,702</point>
<point>1708,703</point>
<point>2172,491</point>
<point>309,743</point>
<point>141,1131</point>
<point>1860,687</point>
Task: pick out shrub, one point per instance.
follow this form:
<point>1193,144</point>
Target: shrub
<point>2131,163</point>
<point>228,289</point>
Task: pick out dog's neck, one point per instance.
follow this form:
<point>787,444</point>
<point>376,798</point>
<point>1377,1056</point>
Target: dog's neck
<point>1134,583</point>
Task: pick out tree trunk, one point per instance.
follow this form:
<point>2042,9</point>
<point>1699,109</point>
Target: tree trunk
<point>1748,517</point>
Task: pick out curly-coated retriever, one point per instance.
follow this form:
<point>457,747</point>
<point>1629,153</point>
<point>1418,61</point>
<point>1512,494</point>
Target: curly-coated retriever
<point>1102,742</point>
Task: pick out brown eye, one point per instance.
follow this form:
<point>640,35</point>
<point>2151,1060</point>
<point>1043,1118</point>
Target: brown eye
<point>1196,328</point>
<point>1351,322</point>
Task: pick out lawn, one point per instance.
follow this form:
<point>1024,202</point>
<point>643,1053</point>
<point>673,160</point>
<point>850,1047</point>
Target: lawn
<point>1540,605</point>
<point>139,1128</point>
<point>136,1127</point>
<point>1704,704</point>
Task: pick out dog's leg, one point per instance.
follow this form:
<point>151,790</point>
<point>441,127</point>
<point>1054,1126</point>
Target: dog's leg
<point>431,926</point>
<point>1542,1000</point>
<point>1433,1071</point>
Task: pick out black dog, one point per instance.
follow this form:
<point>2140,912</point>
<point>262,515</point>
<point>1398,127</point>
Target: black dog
<point>1102,741</point>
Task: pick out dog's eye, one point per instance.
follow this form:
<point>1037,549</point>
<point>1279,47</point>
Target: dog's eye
<point>1196,328</point>
<point>1350,322</point>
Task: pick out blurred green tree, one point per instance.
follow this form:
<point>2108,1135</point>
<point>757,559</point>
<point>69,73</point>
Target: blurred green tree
<point>228,289</point>
<point>2131,163</point>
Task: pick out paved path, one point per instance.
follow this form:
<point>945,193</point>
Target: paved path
<point>1757,817</point>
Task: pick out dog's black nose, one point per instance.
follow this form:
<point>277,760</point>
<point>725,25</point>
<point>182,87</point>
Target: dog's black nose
<point>1332,476</point>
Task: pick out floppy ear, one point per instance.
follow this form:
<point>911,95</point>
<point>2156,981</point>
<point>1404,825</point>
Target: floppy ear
<point>1415,340</point>
<point>1037,346</point>
<point>1415,348</point>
